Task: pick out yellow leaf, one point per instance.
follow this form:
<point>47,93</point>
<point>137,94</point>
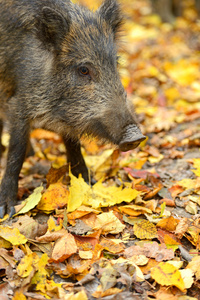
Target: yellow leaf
<point>27,265</point>
<point>12,235</point>
<point>187,183</point>
<point>98,195</point>
<point>183,71</point>
<point>19,296</point>
<point>5,244</point>
<point>31,201</point>
<point>102,196</point>
<point>52,225</point>
<point>145,230</point>
<point>196,163</point>
<point>56,196</point>
<point>78,191</point>
<point>167,274</point>
<point>40,277</point>
<point>109,223</point>
<point>100,164</point>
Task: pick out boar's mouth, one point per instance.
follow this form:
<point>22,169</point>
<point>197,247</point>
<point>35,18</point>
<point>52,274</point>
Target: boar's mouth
<point>130,139</point>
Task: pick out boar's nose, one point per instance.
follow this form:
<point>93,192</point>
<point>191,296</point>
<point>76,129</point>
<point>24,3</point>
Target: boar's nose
<point>131,139</point>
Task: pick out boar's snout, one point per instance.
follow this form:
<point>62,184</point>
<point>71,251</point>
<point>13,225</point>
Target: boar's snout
<point>132,138</point>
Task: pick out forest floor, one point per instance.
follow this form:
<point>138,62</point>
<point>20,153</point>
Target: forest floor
<point>135,234</point>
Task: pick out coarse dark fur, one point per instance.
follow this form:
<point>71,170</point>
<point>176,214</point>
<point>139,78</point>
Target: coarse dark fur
<point>58,69</point>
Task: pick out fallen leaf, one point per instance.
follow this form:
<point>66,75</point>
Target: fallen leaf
<point>12,235</point>
<point>166,274</point>
<point>109,223</point>
<point>64,248</point>
<point>145,230</point>
<point>56,196</point>
<point>31,201</point>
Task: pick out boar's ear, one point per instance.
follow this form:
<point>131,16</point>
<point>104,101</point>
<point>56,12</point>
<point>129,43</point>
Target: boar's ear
<point>111,12</point>
<point>52,26</point>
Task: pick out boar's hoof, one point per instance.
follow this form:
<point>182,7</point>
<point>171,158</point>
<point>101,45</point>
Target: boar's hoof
<point>3,211</point>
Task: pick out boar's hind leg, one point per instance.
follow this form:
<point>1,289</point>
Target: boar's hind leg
<point>19,135</point>
<point>75,158</point>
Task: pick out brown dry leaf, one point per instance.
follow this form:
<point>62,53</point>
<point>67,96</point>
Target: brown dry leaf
<point>182,227</point>
<point>191,207</point>
<point>168,202</point>
<point>164,293</point>
<point>150,264</point>
<point>27,226</point>
<point>90,220</point>
<point>167,274</point>
<point>81,212</point>
<point>112,246</point>
<point>86,243</point>
<point>151,194</point>
<point>77,266</point>
<point>7,257</point>
<point>151,250</point>
<point>187,276</point>
<point>54,175</point>
<point>145,230</point>
<point>169,224</point>
<point>175,190</point>
<point>194,266</point>
<point>51,236</point>
<point>108,223</point>
<point>100,294</point>
<point>56,196</point>
<point>64,248</point>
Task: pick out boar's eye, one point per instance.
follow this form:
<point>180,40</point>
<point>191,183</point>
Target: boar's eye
<point>83,71</point>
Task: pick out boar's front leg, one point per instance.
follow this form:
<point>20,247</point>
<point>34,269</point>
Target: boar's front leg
<point>19,136</point>
<point>75,158</point>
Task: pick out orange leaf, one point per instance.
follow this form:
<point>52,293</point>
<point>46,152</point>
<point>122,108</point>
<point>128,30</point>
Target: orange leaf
<point>64,248</point>
<point>56,196</point>
<point>111,246</point>
<point>168,223</point>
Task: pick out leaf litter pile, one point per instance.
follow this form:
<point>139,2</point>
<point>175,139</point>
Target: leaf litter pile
<point>135,233</point>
